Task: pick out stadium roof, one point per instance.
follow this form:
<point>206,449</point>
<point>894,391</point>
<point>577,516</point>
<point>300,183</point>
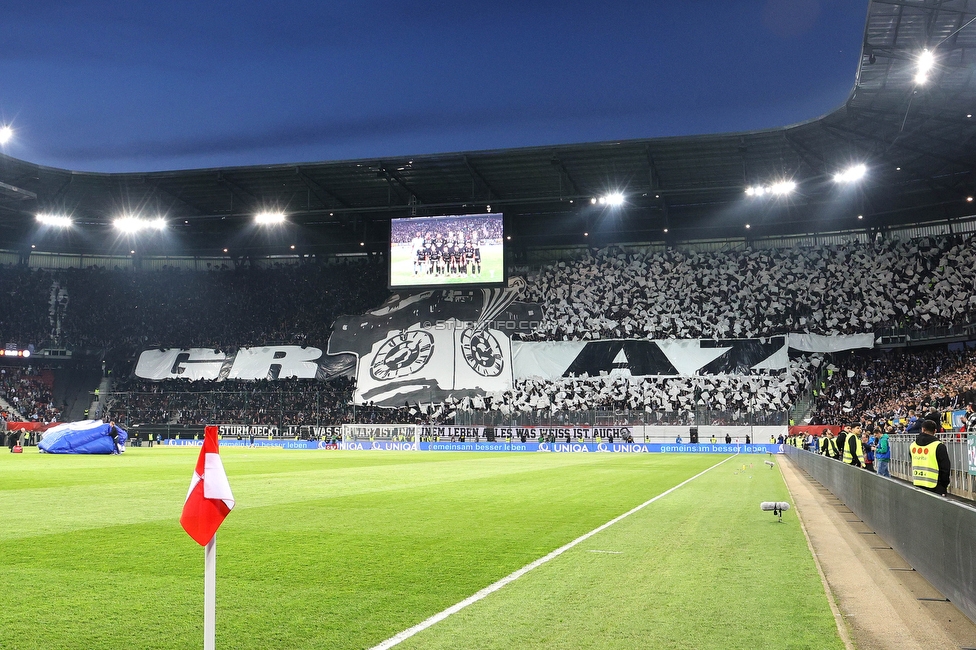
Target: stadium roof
<point>916,140</point>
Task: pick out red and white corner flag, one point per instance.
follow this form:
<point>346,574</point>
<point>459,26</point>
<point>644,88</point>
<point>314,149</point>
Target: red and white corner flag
<point>209,499</point>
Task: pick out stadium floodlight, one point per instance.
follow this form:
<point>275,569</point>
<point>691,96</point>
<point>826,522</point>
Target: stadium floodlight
<point>26,353</point>
<point>6,133</point>
<point>614,199</point>
<point>924,65</point>
<point>55,220</point>
<point>851,174</point>
<point>269,218</point>
<point>779,188</point>
<point>132,225</point>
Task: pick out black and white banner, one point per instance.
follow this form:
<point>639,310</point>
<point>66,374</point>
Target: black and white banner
<point>425,347</point>
<point>428,346</point>
<point>641,358</point>
<point>268,362</point>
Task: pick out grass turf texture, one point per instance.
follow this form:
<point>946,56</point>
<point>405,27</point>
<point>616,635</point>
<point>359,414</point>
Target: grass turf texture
<point>344,549</point>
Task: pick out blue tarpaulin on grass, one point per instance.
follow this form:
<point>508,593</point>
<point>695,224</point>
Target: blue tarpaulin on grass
<point>85,437</point>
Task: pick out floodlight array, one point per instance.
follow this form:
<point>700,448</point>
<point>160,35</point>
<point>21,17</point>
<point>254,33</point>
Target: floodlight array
<point>132,225</point>
<point>851,174</point>
<point>614,199</point>
<point>6,133</point>
<point>924,65</point>
<point>779,188</point>
<point>269,218</point>
<point>54,220</point>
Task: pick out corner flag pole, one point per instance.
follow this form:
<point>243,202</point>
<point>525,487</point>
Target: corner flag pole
<point>210,593</point>
<point>207,503</point>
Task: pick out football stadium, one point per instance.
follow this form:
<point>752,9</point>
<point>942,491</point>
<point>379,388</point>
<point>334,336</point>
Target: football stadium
<point>685,391</point>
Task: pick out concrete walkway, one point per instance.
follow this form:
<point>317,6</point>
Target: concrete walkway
<point>876,592</point>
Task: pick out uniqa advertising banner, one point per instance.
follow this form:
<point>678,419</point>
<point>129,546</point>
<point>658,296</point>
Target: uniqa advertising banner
<point>562,447</point>
<point>485,446</point>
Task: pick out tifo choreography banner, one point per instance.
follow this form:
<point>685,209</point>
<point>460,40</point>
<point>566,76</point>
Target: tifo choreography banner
<point>640,358</point>
<point>426,347</point>
<point>432,345</point>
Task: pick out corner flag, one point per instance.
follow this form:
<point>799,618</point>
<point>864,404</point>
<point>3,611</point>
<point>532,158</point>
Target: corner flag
<point>209,499</point>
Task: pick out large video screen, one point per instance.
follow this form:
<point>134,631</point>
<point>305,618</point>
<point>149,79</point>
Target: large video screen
<point>451,250</point>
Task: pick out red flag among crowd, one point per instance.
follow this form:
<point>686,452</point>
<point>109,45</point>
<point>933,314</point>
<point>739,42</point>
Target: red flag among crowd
<point>209,499</point>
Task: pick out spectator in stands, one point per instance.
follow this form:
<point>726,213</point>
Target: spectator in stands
<point>882,453</point>
<point>867,445</point>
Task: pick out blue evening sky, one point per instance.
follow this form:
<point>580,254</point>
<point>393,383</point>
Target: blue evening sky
<point>137,86</point>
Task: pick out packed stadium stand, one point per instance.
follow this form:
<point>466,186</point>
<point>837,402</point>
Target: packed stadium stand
<point>908,285</point>
<point>895,384</point>
<point>912,285</point>
<point>696,243</point>
<point>832,289</point>
<point>28,393</point>
<point>284,402</point>
<point>608,293</point>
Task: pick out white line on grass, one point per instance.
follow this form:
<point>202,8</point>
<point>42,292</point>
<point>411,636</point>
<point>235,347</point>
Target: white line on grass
<point>492,588</point>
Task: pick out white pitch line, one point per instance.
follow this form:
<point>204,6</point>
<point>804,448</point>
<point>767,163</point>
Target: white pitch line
<point>613,552</point>
<point>492,588</point>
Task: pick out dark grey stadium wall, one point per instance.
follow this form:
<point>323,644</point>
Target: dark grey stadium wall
<point>935,535</point>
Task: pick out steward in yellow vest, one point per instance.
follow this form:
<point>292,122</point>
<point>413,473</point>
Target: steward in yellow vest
<point>828,446</point>
<point>930,461</point>
<point>853,450</point>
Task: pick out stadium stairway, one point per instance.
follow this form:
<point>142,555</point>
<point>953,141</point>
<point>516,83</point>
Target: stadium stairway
<point>15,415</point>
<point>802,409</point>
<point>74,388</point>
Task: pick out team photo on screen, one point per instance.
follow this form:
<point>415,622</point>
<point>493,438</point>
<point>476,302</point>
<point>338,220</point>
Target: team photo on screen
<point>449,250</point>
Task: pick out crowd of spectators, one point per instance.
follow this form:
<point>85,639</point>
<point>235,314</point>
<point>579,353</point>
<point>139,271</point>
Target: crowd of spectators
<point>281,403</point>
<point>742,394</point>
<point>99,308</point>
<point>250,306</point>
<point>894,385</point>
<point>486,228</point>
<point>29,393</point>
<point>836,289</point>
<point>28,314</point>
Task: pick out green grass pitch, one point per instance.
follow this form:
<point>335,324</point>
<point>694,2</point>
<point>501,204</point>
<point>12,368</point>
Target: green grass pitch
<point>345,549</point>
<point>401,269</point>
